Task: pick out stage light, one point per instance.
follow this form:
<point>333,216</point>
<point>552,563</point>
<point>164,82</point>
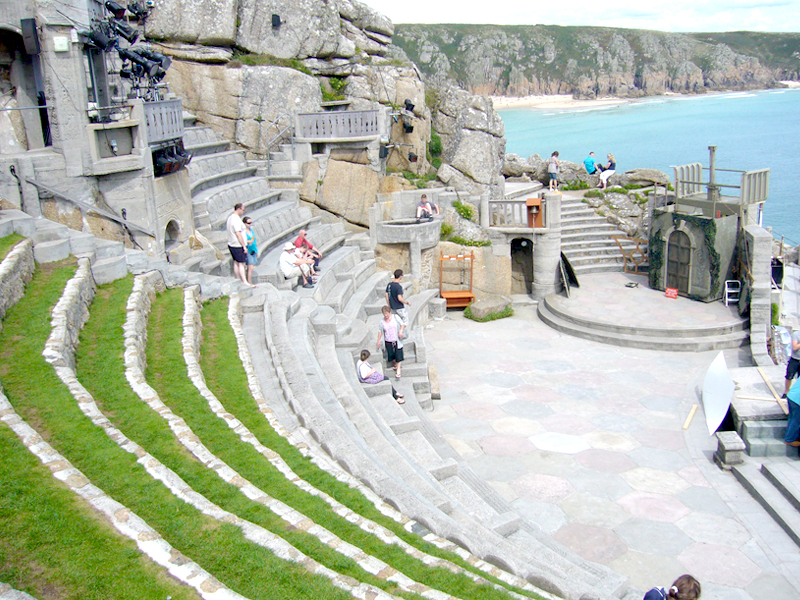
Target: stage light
<point>150,67</point>
<point>412,157</point>
<point>164,61</point>
<point>115,9</point>
<point>409,105</point>
<point>126,31</point>
<point>408,127</point>
<point>101,39</point>
<point>276,21</point>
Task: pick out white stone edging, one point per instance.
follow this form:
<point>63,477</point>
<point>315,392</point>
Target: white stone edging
<point>138,309</point>
<point>16,271</point>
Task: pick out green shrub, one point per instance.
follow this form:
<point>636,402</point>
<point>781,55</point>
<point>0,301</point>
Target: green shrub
<point>446,230</point>
<point>436,162</point>
<point>575,185</point>
<point>465,210</point>
<point>633,186</point>
<point>436,144</point>
<point>776,320</point>
<point>257,60</point>
<point>506,312</point>
<point>457,239</point>
<point>615,190</point>
<point>594,194</point>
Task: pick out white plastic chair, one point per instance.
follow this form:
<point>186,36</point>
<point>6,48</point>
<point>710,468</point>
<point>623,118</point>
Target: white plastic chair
<point>733,289</point>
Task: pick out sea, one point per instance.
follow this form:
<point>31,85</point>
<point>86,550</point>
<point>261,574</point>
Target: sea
<point>751,130</point>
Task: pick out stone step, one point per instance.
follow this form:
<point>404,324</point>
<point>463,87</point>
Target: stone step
<point>51,251</point>
<point>650,338</point>
<point>775,430</point>
<point>786,479</point>
<point>766,447</point>
<point>108,248</point>
<point>771,498</point>
<point>47,231</point>
<point>106,270</point>
<point>16,221</point>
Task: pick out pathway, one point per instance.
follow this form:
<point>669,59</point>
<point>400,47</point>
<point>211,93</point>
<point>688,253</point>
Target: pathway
<point>586,441</point>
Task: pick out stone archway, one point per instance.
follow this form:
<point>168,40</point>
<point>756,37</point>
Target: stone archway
<point>521,266</point>
<point>172,234</point>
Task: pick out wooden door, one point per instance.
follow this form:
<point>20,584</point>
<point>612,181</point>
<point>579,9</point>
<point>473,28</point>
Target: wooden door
<point>679,258</point>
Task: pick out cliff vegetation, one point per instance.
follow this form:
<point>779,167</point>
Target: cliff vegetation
<point>590,62</point>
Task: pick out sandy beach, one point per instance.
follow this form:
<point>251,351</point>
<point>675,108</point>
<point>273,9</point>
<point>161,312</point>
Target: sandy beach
<point>566,101</point>
<point>558,101</point>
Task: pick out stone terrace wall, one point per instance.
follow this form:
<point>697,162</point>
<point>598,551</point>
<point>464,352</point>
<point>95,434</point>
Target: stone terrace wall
<point>16,271</point>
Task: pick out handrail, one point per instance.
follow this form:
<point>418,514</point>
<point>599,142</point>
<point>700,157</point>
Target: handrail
<point>279,136</point>
<point>89,207</point>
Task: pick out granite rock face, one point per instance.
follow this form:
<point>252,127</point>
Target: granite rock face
<point>241,103</point>
<point>308,28</point>
<point>473,146</point>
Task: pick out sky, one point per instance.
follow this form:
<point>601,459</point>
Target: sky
<point>675,15</point>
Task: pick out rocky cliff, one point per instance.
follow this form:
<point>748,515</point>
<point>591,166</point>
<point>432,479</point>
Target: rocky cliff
<point>246,67</point>
<point>589,62</point>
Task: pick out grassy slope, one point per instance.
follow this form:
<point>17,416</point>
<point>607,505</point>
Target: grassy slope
<point>52,545</point>
<point>7,243</point>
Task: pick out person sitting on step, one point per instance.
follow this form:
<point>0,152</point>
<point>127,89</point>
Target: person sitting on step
<point>426,210</point>
<point>367,374</point>
<point>292,265</point>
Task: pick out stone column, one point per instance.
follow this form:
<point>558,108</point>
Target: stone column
<point>484,210</point>
<point>547,251</point>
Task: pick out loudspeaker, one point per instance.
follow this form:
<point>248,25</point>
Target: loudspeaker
<point>276,21</point>
<point>30,36</point>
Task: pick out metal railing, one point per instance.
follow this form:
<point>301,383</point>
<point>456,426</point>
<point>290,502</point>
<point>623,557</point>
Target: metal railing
<point>164,120</point>
<point>337,125</point>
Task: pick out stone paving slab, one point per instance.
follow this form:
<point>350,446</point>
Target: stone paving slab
<point>586,441</point>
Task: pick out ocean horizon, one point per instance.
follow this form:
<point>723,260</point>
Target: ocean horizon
<point>751,130</point>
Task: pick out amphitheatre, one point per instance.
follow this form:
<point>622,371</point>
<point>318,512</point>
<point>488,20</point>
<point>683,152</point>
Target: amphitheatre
<point>169,431</point>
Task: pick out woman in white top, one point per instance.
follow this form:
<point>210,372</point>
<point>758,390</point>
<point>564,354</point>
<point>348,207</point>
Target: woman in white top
<point>391,328</point>
<point>367,374</point>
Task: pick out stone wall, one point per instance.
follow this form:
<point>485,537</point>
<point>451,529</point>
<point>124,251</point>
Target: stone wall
<point>16,271</point>
<point>69,316</point>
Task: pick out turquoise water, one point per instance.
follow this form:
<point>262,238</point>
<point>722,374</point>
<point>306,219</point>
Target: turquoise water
<point>752,130</point>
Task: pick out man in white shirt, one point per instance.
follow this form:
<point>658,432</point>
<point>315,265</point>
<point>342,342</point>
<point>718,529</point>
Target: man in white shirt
<point>236,243</point>
<point>292,265</point>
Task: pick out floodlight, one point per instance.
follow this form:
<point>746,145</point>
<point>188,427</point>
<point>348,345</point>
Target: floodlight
<point>126,31</point>
<point>115,9</point>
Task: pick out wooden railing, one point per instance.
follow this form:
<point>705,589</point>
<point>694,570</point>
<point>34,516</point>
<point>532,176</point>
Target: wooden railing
<point>164,120</point>
<point>347,124</point>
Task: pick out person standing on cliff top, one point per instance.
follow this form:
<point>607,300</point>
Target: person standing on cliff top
<point>590,164</point>
<point>552,171</point>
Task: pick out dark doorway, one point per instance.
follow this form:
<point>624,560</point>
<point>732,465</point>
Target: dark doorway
<point>521,266</point>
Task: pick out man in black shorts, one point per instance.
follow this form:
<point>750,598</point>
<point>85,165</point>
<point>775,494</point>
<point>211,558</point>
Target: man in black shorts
<point>236,243</point>
<point>394,298</point>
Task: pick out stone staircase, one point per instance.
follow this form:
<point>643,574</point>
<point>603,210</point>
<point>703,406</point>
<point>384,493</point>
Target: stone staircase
<point>586,238</point>
<point>53,242</point>
<point>776,486</point>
